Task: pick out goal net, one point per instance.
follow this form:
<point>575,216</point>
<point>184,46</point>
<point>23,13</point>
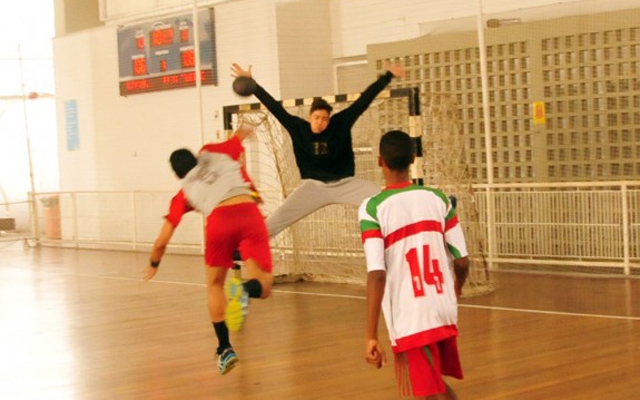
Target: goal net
<point>326,245</point>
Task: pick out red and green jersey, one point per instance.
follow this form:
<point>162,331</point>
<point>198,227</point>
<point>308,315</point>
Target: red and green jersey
<point>412,232</point>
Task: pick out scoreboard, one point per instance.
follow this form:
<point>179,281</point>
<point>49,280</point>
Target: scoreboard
<point>160,55</point>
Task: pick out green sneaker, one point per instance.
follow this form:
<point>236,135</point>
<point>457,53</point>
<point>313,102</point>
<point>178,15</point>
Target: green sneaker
<point>237,304</point>
<point>227,360</point>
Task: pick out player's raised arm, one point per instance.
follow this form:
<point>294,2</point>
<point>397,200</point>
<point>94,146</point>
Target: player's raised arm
<point>237,70</point>
<point>353,112</point>
<point>397,69</point>
<point>290,122</point>
<point>244,131</point>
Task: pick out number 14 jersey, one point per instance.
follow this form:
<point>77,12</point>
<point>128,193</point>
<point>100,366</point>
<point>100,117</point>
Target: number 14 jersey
<point>412,233</point>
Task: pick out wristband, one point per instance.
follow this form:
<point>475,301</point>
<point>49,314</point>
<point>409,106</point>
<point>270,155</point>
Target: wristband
<point>154,264</point>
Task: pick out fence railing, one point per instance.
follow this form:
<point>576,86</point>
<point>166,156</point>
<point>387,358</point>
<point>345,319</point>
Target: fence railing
<point>593,226</point>
<point>117,220</point>
<point>590,225</point>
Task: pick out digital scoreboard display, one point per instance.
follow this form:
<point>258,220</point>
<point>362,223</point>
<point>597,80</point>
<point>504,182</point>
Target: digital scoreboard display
<point>160,55</point>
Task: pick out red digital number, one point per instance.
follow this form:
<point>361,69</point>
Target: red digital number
<point>184,35</point>
<point>161,37</point>
<point>163,65</point>
<point>188,77</point>
<point>138,84</point>
<point>156,38</point>
<point>431,274</point>
<point>139,66</point>
<point>188,59</point>
<point>170,79</point>
<point>140,42</point>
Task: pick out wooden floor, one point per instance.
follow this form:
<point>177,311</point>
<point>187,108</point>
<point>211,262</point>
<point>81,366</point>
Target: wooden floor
<point>80,325</point>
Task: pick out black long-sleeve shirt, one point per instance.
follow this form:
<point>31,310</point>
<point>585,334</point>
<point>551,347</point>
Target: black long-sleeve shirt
<point>326,156</point>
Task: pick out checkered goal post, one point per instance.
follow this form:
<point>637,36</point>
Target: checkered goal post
<point>326,245</point>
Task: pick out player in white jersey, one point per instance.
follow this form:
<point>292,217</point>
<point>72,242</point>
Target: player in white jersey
<point>410,235</point>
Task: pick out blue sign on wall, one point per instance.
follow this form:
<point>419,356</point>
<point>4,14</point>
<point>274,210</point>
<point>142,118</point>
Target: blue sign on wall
<point>71,122</point>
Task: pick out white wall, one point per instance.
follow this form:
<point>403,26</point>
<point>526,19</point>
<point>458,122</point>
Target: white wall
<point>292,44</point>
<point>356,23</point>
<point>74,81</point>
<point>125,142</point>
<point>248,38</point>
<point>305,59</point>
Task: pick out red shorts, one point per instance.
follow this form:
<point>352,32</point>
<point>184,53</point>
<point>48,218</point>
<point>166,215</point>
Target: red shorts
<point>237,227</point>
<point>426,366</point>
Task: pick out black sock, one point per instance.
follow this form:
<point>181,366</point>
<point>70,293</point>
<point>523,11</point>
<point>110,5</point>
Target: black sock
<point>253,287</point>
<point>222,332</point>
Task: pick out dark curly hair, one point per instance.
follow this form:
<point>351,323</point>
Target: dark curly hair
<point>182,161</point>
<point>320,104</point>
<point>397,150</point>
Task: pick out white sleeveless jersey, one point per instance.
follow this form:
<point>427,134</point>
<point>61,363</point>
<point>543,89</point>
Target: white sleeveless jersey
<point>412,233</point>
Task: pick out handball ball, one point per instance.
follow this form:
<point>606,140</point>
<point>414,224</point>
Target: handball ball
<point>244,86</point>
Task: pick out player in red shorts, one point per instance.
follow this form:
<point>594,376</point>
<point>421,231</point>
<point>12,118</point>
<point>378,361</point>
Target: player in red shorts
<point>216,184</point>
<point>410,233</point>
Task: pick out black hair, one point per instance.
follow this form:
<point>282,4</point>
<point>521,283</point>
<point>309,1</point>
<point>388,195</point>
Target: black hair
<point>182,161</point>
<point>397,150</point>
<point>320,104</point>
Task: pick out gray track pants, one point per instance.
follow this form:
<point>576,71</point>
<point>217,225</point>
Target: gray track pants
<point>312,195</point>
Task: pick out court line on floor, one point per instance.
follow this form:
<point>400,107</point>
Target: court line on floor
<point>493,308</point>
<point>348,296</point>
<point>568,314</point>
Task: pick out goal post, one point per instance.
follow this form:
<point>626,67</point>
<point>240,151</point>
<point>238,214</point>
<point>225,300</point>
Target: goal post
<point>326,245</point>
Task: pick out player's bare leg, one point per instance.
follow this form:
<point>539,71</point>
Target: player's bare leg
<point>448,395</point>
<point>265,278</point>
<point>215,286</point>
<point>258,286</point>
<point>226,356</point>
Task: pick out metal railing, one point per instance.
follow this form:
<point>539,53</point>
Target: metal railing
<point>594,226</point>
<point>591,225</point>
